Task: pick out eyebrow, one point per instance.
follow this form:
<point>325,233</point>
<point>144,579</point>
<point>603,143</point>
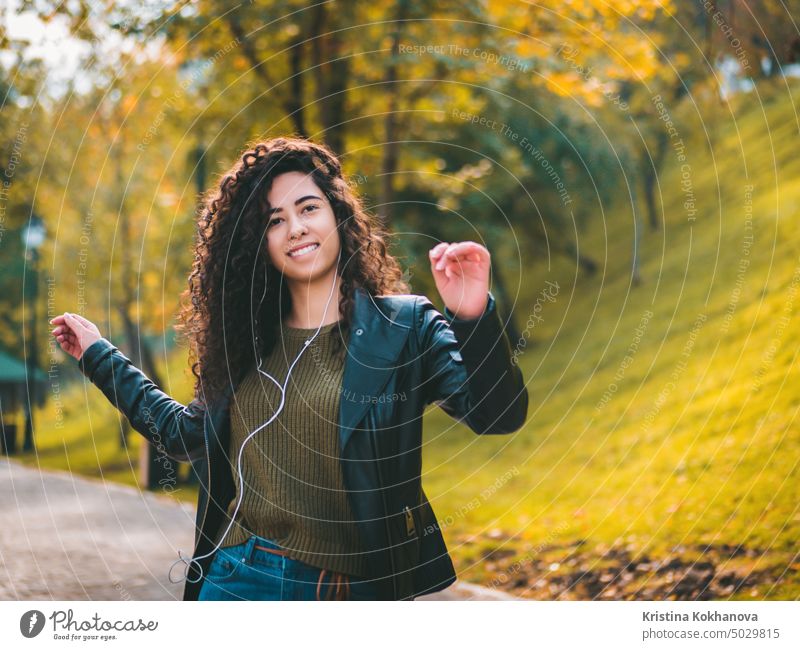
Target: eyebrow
<point>298,202</point>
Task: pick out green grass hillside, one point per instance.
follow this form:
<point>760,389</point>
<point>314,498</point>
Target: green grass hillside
<point>661,455</point>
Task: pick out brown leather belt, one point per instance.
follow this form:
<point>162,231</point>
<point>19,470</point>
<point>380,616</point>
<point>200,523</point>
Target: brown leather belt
<point>341,586</point>
<point>277,551</point>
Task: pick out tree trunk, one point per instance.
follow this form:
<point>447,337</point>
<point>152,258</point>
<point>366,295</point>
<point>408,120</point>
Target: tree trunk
<point>651,167</point>
<point>636,278</point>
<point>290,105</point>
<point>294,104</point>
<point>332,71</point>
<point>157,470</point>
<point>155,463</point>
<point>585,263</point>
<point>391,145</point>
<point>199,165</point>
<point>125,247</point>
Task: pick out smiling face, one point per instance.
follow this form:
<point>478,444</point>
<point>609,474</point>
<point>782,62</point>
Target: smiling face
<point>302,238</point>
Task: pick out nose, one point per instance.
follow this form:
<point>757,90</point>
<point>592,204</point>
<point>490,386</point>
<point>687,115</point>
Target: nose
<point>298,228</point>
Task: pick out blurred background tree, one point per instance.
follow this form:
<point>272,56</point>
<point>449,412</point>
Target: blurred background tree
<point>505,122</point>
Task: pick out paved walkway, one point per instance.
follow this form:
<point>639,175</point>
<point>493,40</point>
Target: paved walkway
<point>66,537</point>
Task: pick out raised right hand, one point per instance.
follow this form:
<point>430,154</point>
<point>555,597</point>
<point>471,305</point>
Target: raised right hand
<point>74,333</point>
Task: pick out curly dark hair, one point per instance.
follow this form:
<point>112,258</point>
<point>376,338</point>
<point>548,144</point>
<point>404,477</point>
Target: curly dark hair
<point>231,264</point>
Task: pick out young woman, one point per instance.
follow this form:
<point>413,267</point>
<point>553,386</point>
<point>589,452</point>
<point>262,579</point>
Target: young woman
<point>313,368</point>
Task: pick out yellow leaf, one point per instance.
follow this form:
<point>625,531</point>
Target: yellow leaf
<point>533,47</point>
<point>129,103</point>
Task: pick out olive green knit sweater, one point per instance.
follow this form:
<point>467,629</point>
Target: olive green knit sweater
<point>295,495</point>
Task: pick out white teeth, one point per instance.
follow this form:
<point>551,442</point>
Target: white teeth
<point>304,250</point>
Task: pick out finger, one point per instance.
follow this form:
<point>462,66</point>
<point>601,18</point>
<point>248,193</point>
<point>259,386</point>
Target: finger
<point>468,252</point>
<point>461,258</point>
<point>466,248</point>
<point>453,270</point>
<point>58,320</point>
<point>77,318</point>
<point>73,323</point>
<point>437,250</point>
<point>84,321</point>
<point>455,253</point>
<point>443,258</point>
<point>67,337</point>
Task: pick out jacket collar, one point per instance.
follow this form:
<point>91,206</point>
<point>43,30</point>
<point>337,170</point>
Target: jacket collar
<point>378,333</point>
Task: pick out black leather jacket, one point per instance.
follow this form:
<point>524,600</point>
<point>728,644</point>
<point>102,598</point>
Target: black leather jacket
<point>399,346</point>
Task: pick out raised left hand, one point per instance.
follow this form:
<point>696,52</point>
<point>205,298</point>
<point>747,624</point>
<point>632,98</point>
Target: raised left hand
<point>461,273</point>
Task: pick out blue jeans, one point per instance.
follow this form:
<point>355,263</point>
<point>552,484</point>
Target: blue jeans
<point>243,572</point>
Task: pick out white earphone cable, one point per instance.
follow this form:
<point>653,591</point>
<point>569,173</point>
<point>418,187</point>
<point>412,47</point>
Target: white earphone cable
<point>187,560</point>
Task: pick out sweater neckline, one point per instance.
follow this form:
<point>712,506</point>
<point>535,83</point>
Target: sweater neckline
<point>299,332</point>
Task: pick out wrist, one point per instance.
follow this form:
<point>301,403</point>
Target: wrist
<point>464,315</point>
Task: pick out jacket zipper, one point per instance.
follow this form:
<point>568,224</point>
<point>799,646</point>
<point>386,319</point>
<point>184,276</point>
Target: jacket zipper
<point>410,527</point>
<point>385,512</point>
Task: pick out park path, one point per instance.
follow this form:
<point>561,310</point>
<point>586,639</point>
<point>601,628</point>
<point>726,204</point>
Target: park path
<point>67,537</point>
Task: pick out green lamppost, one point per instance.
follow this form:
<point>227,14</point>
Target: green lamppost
<point>33,235</point>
